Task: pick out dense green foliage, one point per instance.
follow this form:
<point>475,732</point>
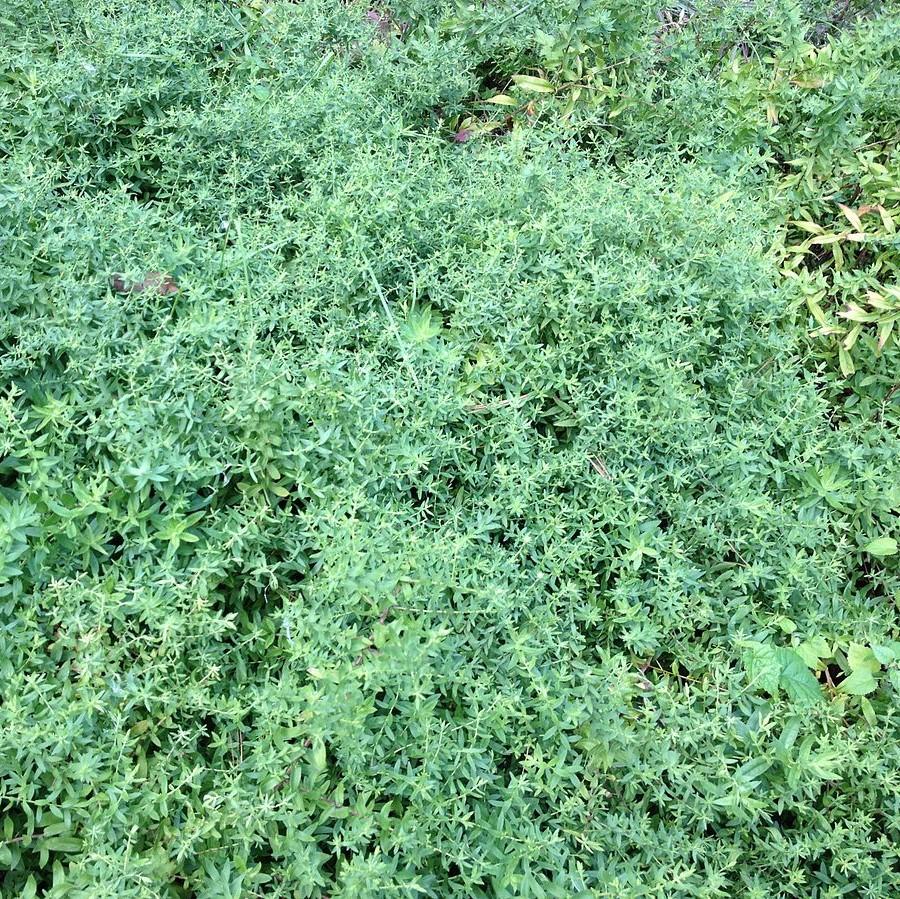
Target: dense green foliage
<point>429,462</point>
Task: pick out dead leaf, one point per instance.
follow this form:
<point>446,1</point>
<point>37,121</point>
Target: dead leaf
<point>380,21</point>
<point>160,283</point>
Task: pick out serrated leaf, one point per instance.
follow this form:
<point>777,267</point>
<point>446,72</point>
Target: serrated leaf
<point>762,666</point>
<point>796,679</point>
<point>886,652</point>
<point>859,683</point>
<point>812,651</point>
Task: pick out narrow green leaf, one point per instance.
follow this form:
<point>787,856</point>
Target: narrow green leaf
<point>502,100</point>
<point>868,711</point>
<point>62,844</point>
<point>847,366</point>
<point>530,83</point>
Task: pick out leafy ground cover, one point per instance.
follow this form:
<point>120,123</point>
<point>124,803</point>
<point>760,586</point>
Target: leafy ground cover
<point>449,450</point>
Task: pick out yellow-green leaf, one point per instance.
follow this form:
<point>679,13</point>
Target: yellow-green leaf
<point>851,338</point>
<point>809,227</point>
<point>851,216</point>
<point>502,100</point>
<point>813,650</point>
<point>817,312</point>
<point>824,239</point>
<point>847,366</point>
<point>862,658</point>
<point>838,254</point>
<point>883,546</point>
<point>530,83</point>
<point>786,624</point>
<point>868,711</point>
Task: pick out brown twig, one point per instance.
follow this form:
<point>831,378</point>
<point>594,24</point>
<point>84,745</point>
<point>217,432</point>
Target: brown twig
<point>598,465</point>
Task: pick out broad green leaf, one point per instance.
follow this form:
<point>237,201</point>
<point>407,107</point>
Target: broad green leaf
<point>886,652</point>
<point>796,679</point>
<point>785,624</point>
<point>883,546</point>
<point>813,650</point>
<point>862,658</point>
<point>859,683</point>
<point>762,666</point>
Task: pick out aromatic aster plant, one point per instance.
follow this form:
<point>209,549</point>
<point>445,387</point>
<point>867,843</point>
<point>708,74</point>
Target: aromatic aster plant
<point>385,512</point>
